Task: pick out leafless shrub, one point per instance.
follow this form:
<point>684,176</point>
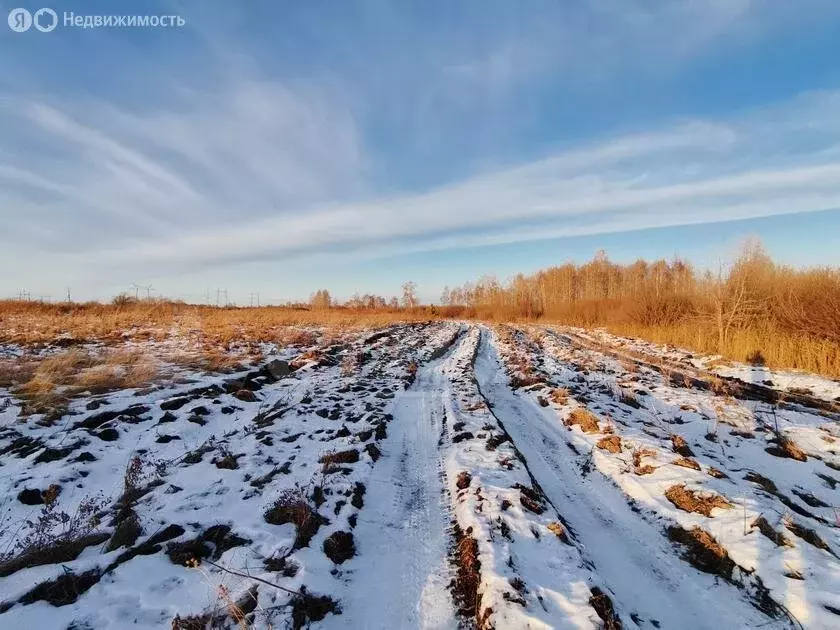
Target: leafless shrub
<point>55,535</point>
<point>292,506</point>
<point>352,363</point>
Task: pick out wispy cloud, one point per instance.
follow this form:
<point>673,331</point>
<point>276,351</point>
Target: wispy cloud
<point>300,168</point>
<point>252,156</point>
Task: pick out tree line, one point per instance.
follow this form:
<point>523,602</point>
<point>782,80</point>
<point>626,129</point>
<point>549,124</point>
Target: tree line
<point>751,302</point>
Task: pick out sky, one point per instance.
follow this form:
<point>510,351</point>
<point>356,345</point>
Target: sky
<point>278,147</point>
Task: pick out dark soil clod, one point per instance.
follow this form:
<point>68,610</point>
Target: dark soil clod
<point>340,547</point>
<point>603,605</point>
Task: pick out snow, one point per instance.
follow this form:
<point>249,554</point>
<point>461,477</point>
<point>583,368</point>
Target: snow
<point>707,423</point>
<point>627,552</point>
<point>459,430</point>
<point>401,577</point>
<point>782,380</point>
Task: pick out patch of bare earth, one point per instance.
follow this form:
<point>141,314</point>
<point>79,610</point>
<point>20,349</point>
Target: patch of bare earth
<point>692,501</point>
<point>586,420</point>
<point>702,551</point>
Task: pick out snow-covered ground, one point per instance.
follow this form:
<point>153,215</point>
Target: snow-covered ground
<point>784,381</point>
<point>436,475</point>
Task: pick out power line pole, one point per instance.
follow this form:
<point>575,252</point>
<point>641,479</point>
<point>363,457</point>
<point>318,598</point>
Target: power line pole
<point>68,295</point>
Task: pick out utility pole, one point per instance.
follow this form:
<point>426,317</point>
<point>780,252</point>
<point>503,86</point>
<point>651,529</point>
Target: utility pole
<point>68,295</point>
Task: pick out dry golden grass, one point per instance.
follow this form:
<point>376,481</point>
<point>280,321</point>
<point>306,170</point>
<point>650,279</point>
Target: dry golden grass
<point>755,311</point>
<point>781,350</point>
<point>46,385</point>
<point>213,340</point>
<point>692,501</point>
<point>611,443</point>
<point>29,323</point>
<point>14,371</point>
<point>55,380</point>
<point>559,395</point>
<point>584,418</point>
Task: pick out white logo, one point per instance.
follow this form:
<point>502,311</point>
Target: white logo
<point>45,20</point>
<point>20,20</point>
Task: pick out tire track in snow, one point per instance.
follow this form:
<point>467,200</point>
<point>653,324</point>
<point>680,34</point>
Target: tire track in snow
<point>401,575</point>
<point>653,586</point>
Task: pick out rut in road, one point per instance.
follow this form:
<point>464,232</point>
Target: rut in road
<point>401,575</point>
<point>652,585</point>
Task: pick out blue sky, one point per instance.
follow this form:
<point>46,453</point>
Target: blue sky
<point>279,147</point>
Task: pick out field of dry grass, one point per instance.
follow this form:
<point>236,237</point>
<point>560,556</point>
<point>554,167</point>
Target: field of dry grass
<point>96,348</point>
<point>778,349</point>
<point>754,311</point>
<point>29,323</point>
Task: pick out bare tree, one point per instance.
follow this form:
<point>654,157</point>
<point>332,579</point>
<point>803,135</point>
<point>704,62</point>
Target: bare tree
<point>738,297</point>
<point>321,300</point>
<point>409,295</point>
